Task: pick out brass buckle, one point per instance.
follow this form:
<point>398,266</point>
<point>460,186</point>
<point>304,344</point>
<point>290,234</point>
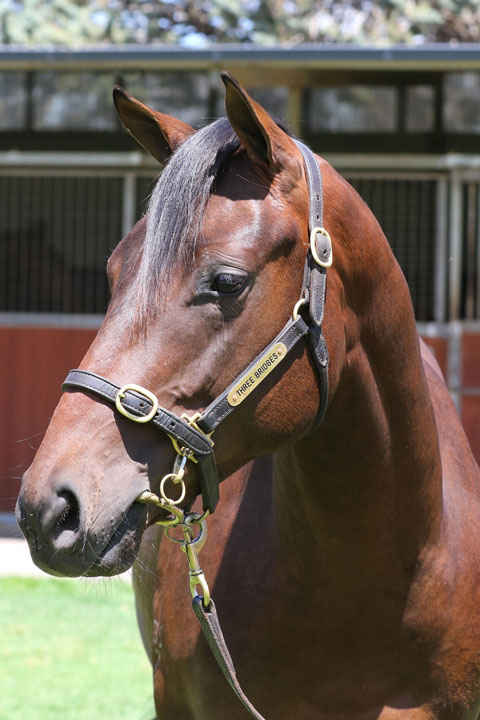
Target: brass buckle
<point>141,391</point>
<point>313,246</point>
<point>191,546</point>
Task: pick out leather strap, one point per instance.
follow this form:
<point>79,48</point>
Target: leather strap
<point>314,288</point>
<point>140,405</point>
<point>213,632</point>
<point>164,420</point>
<point>213,415</point>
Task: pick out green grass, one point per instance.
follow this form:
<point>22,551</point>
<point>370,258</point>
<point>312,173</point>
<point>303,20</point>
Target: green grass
<point>71,650</point>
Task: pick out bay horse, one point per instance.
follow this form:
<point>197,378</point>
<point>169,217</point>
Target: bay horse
<point>344,556</point>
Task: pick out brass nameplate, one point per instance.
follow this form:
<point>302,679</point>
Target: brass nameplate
<point>259,372</point>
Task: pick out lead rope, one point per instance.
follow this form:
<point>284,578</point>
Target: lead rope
<point>191,544</point>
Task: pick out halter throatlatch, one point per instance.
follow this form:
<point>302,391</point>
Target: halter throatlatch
<point>191,436</point>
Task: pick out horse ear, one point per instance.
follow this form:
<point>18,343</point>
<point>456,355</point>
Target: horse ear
<point>159,134</point>
<point>260,135</point>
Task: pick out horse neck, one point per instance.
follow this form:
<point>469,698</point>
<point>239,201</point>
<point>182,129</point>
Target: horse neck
<point>362,494</point>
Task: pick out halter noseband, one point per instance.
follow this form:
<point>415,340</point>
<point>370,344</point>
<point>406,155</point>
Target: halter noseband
<point>191,436</point>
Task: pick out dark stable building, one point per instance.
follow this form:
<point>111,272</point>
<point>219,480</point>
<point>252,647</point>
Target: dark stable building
<point>401,124</point>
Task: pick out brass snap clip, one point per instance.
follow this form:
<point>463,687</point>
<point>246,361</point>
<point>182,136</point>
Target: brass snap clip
<point>191,546</point>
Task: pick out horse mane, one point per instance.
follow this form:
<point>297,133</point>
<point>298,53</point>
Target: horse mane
<point>176,208</point>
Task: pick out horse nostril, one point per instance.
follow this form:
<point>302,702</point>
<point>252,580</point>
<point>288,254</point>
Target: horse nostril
<point>68,519</point>
<point>20,513</point>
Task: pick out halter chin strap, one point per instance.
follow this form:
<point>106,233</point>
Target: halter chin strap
<point>191,435</point>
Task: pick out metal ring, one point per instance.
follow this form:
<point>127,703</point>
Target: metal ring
<point>172,476</point>
<point>141,391</point>
<point>297,307</point>
<point>199,540</point>
<point>313,246</point>
<point>193,518</point>
<point>179,541</point>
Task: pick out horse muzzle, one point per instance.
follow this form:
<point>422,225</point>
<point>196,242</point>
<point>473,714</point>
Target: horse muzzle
<point>64,542</point>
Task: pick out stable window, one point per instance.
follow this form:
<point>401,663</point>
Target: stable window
<point>420,108</point>
<point>353,109</point>
<point>13,100</point>
<point>56,233</point>
<point>461,109</point>
<point>73,101</point>
<point>406,210</point>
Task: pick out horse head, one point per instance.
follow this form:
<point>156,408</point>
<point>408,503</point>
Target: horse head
<point>199,287</point>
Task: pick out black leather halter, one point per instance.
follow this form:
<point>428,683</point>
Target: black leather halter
<point>191,436</point>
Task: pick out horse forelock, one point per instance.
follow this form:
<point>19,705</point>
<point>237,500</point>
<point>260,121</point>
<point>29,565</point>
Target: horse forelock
<point>176,208</point>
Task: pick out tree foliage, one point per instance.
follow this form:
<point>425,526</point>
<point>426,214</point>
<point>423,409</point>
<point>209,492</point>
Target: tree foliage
<point>199,22</point>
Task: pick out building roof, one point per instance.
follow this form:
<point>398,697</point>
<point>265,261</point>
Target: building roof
<point>438,57</point>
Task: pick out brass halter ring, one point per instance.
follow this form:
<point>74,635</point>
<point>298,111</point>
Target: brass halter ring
<point>176,479</point>
<point>297,307</point>
<point>165,502</point>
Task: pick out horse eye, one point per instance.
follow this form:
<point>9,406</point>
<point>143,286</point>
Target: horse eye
<point>227,283</point>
